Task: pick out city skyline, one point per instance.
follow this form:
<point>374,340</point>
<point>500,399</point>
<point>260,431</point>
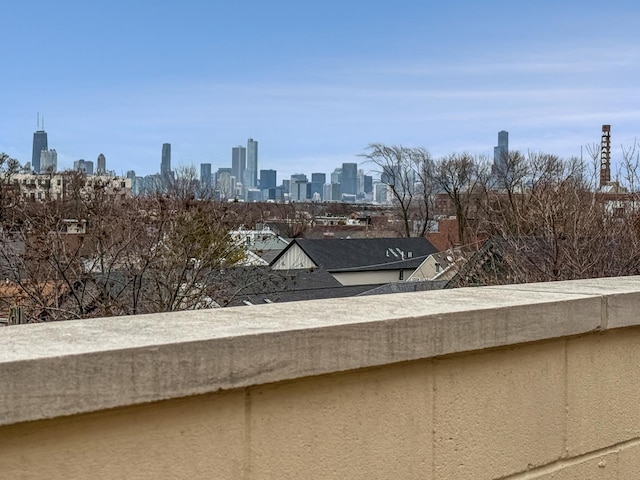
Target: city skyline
<point>316,85</point>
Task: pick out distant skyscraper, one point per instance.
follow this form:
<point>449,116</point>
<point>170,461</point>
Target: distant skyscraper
<point>252,163</point>
<point>268,182</point>
<point>83,166</point>
<point>205,174</point>
<point>336,196</point>
<point>298,187</point>
<point>360,187</point>
<point>327,191</point>
<point>222,171</point>
<point>336,176</point>
<point>223,184</point>
<point>165,165</point>
<point>102,165</point>
<point>389,174</point>
<point>368,184</point>
<point>319,178</point>
<point>500,156</point>
<point>48,161</point>
<point>238,162</point>
<point>268,179</point>
<point>39,144</point>
<point>135,185</point>
<point>381,192</point>
<point>501,152</point>
<point>316,185</point>
<point>253,195</point>
<point>349,180</point>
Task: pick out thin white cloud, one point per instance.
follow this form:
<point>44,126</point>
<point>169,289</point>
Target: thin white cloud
<point>552,59</point>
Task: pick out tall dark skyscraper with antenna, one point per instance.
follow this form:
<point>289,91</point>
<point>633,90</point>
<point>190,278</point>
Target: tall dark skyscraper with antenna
<point>39,144</point>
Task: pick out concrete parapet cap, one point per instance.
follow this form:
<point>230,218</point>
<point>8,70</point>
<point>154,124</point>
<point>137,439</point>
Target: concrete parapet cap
<point>620,295</point>
<point>55,369</point>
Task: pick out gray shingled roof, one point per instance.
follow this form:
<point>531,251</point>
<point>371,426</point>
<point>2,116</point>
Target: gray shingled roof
<point>365,254</point>
<point>263,285</point>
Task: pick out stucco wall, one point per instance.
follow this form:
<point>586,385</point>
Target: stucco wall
<point>561,405</point>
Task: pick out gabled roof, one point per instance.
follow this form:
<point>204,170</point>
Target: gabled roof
<point>260,285</point>
<point>500,261</point>
<point>364,254</point>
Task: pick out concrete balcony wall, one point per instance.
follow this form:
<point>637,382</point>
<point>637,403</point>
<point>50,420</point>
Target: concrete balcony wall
<point>533,381</point>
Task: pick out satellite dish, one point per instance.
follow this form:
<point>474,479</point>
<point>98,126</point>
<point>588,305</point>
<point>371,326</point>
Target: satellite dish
<point>450,258</point>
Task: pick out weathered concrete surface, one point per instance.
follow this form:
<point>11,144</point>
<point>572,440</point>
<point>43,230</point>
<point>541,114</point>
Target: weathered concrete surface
<point>482,405</point>
<point>603,390</point>
<point>49,370</point>
<point>620,295</point>
<point>366,424</point>
<point>400,386</point>
<point>629,462</point>
<point>603,467</point>
<point>200,437</point>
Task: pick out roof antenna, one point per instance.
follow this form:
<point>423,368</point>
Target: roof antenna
<point>38,122</point>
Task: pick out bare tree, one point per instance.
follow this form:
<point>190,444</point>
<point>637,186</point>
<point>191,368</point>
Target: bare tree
<point>132,255</point>
<point>461,177</point>
<point>183,183</point>
<point>407,172</point>
<point>630,166</point>
<point>557,226</point>
<point>9,167</point>
<point>424,167</point>
<point>292,220</point>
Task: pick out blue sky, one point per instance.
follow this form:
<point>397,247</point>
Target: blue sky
<point>315,82</point>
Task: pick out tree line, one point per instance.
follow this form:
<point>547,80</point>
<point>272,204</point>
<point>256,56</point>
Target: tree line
<point>547,218</point>
<point>97,252</point>
<point>533,217</point>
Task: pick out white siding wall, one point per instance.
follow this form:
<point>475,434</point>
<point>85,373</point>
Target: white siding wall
<point>426,270</point>
<point>292,259</point>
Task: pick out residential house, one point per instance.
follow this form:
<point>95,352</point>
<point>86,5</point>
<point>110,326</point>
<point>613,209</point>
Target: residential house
<point>262,242</point>
<point>357,261</point>
<point>437,266</point>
